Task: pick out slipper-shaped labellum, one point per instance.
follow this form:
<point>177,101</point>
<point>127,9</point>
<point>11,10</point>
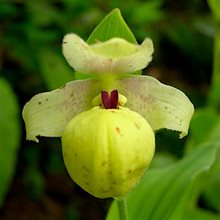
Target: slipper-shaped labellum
<point>107,123</point>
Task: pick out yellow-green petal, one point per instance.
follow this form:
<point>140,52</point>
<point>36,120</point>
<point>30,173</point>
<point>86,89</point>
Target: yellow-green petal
<point>161,105</point>
<point>113,56</point>
<point>47,114</point>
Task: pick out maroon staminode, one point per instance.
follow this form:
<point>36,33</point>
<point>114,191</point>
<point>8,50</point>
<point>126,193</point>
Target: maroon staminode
<point>110,101</point>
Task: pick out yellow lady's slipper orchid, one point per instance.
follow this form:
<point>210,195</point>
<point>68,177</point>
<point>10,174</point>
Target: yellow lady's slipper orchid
<point>107,122</point>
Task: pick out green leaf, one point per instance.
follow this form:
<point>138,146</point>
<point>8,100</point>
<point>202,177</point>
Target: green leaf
<point>200,214</point>
<point>163,193</point>
<point>9,136</point>
<point>215,7</point>
<point>211,191</point>
<point>201,126</point>
<point>113,25</point>
<point>205,126</point>
<point>54,70</point>
<point>162,159</point>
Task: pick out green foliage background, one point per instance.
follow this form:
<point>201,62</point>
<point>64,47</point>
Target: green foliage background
<point>33,179</point>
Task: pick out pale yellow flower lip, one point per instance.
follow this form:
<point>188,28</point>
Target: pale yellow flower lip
<point>106,152</point>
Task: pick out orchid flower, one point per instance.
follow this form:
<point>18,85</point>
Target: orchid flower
<point>107,122</point>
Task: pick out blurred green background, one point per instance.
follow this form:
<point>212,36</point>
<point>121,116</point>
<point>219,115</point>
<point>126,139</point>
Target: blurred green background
<point>33,181</point>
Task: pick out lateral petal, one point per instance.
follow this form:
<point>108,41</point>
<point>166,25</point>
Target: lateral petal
<point>48,113</point>
<point>161,105</point>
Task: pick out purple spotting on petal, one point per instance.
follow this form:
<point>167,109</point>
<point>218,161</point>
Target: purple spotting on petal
<point>110,101</point>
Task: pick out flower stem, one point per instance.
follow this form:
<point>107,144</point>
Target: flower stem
<point>216,58</point>
<point>122,209</point>
<point>215,84</point>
